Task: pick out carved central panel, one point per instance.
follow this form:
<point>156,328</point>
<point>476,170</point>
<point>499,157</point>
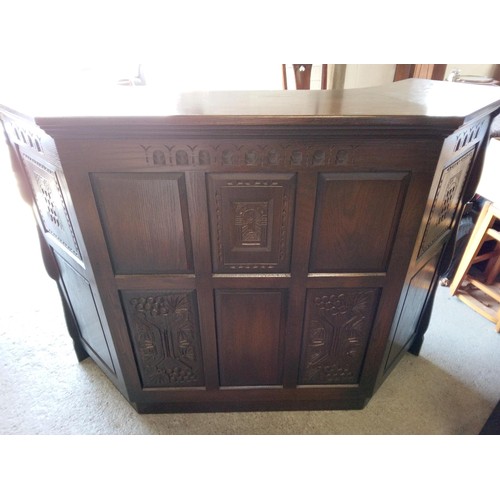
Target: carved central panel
<point>166,337</point>
<point>337,327</point>
<point>251,219</point>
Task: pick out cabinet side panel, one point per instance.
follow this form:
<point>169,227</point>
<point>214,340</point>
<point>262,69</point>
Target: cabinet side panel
<point>84,308</point>
<point>347,202</point>
<point>410,310</point>
<point>50,203</point>
<point>250,326</point>
<point>446,200</point>
<point>145,221</point>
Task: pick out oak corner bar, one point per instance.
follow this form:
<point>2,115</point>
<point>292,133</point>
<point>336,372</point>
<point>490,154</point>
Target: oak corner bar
<point>232,251</point>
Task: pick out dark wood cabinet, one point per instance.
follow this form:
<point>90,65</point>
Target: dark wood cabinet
<point>243,251</point>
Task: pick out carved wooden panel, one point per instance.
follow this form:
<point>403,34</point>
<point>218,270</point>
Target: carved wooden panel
<point>250,154</point>
<point>347,202</point>
<point>469,135</point>
<point>145,220</point>
<point>336,331</point>
<point>165,335</point>
<point>251,221</point>
<point>446,200</point>
<point>50,204</point>
<point>408,317</point>
<point>84,308</point>
<point>28,137</point>
<point>250,331</point>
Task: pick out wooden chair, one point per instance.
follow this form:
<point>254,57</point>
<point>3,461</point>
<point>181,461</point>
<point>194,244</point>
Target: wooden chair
<point>481,290</point>
<point>302,74</point>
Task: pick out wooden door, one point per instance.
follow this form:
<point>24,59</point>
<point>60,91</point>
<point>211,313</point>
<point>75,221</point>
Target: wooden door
<point>428,71</point>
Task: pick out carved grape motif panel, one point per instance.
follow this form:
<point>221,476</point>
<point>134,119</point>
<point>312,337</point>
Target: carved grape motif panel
<point>337,328</point>
<point>166,337</point>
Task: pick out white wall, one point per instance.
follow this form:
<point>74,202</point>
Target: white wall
<point>215,75</point>
<point>368,75</point>
<point>489,184</point>
<point>471,69</point>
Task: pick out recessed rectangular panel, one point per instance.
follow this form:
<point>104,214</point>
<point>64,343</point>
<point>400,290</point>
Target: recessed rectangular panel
<point>405,326</point>
<point>145,220</point>
<point>251,221</point>
<point>85,311</point>
<point>250,327</point>
<point>336,332</point>
<point>346,203</point>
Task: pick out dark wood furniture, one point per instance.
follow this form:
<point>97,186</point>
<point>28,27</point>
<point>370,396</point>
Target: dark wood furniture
<point>492,425</point>
<point>427,71</point>
<point>248,251</point>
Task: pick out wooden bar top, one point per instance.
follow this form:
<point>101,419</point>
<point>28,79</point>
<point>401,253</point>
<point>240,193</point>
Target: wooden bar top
<point>412,102</point>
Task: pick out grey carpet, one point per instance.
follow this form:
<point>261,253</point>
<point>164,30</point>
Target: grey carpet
<point>451,388</point>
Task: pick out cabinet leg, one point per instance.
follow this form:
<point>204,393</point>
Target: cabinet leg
<point>425,319</point>
<point>72,327</point>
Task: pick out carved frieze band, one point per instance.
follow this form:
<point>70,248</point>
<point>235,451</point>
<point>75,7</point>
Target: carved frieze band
<point>51,205</point>
<point>249,155</point>
<point>166,337</point>
<point>26,137</point>
<point>469,135</point>
<point>446,200</point>
<point>337,327</point>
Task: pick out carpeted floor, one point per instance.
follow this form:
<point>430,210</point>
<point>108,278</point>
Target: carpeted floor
<point>450,389</point>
